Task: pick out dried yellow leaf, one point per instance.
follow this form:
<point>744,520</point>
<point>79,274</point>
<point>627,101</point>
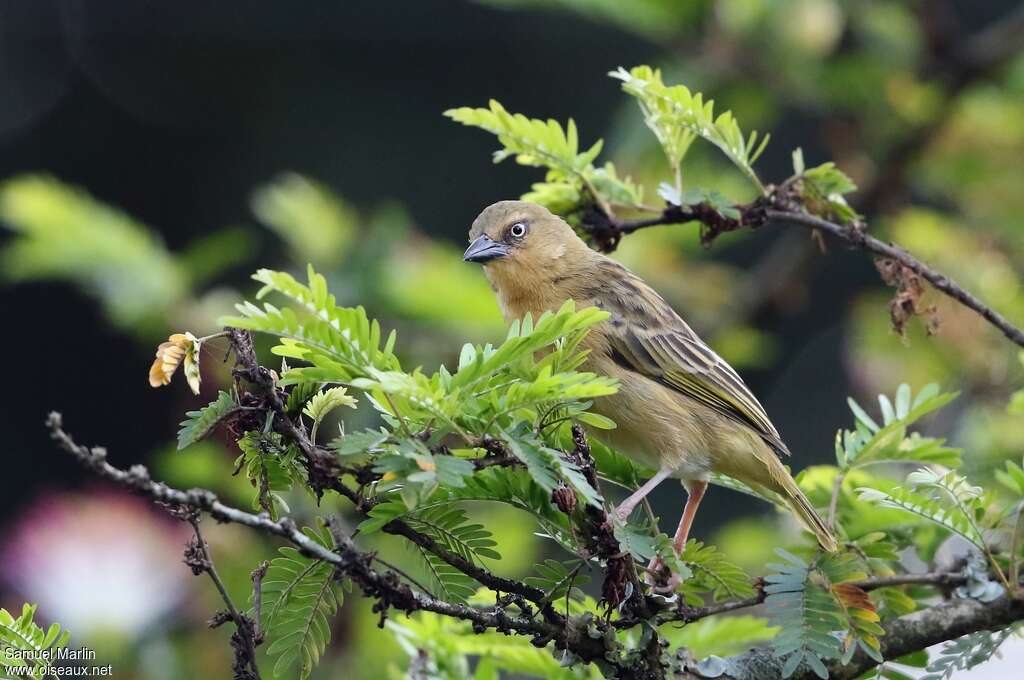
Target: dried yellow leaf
<point>179,348</point>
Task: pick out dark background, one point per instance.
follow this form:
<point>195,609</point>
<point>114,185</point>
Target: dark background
<point>174,112</point>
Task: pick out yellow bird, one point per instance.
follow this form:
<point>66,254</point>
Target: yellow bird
<point>680,408</point>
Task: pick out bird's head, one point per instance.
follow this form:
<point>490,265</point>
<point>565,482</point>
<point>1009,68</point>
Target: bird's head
<point>523,244</point>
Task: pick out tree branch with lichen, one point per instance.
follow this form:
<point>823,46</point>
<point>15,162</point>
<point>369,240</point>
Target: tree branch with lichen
<point>913,632</point>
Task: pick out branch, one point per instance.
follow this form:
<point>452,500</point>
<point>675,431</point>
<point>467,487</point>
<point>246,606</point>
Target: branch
<point>582,636</point>
<point>943,580</point>
<point>576,635</point>
<point>945,621</point>
<point>324,473</point>
<point>859,239</point>
<point>607,232</point>
<point>243,640</point>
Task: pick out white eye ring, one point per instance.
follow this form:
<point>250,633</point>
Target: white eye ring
<point>518,230</point>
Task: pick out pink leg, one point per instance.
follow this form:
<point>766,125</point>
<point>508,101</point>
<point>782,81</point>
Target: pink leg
<point>694,495</point>
<point>693,498</point>
<point>627,506</point>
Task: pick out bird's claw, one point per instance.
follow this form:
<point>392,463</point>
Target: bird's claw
<point>655,578</point>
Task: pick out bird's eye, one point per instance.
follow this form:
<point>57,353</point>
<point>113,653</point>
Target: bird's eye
<point>517,230</point>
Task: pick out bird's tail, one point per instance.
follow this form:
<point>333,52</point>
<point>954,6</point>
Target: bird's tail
<point>764,472</point>
<point>809,516</point>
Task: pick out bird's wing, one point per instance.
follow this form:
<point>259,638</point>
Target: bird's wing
<point>645,335</point>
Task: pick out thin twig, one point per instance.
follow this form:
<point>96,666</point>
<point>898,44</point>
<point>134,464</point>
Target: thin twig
<point>257,600</point>
<point>940,281</point>
<point>244,628</point>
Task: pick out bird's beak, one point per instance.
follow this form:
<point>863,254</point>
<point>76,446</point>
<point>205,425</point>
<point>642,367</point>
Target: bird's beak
<point>484,249</point>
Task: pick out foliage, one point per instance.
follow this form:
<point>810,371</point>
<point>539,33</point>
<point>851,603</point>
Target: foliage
<point>198,424</point>
<point>810,602</point>
<point>451,645</point>
<point>870,443</point>
<point>537,143</point>
<point>677,116</point>
<point>322,403</point>
<point>515,401</point>
<point>24,644</point>
<point>450,528</point>
<point>823,188</point>
<point>967,652</point>
<point>271,467</point>
<point>63,231</point>
<point>316,224</point>
<point>712,573</point>
<point>300,595</point>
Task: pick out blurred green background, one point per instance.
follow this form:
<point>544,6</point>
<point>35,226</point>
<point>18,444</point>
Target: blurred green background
<point>152,155</point>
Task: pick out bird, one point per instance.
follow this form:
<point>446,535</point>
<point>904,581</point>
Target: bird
<point>680,409</point>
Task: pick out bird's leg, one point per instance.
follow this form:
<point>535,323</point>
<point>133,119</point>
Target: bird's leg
<point>695,492</point>
<point>626,507</point>
<point>693,497</point>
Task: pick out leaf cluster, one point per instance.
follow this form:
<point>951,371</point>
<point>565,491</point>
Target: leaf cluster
<point>571,173</point>
<point>820,614</point>
<point>299,596</point>
<point>23,643</point>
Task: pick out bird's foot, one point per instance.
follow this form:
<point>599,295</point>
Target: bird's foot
<point>621,514</point>
<point>661,580</point>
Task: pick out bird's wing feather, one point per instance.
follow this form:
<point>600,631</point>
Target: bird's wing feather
<point>645,335</point>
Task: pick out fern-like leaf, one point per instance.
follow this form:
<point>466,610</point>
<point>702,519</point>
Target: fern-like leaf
<point>677,116</point>
<point>967,652</point>
<point>299,597</point>
<point>946,499</point>
<point>272,468</point>
<point>540,143</point>
<point>322,403</point>
<point>712,573</point>
<point>559,580</point>
<point>198,424</point>
<point>806,614</point>
<point>24,642</point>
<point>340,342</point>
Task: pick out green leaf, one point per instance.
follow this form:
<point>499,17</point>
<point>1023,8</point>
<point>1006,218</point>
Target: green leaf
<point>677,116</point>
<point>538,143</point>
<point>272,468</point>
<point>548,467</point>
<point>198,424</point>
<point>341,343</point>
<point>359,442</point>
<point>805,612</point>
<point>559,580</point>
<point>322,403</point>
<point>300,595</point>
<point>946,499</point>
<point>317,226</point>
<point>870,443</point>
<point>713,573</point>
<point>24,643</point>
<point>823,189</point>
<point>967,652</point>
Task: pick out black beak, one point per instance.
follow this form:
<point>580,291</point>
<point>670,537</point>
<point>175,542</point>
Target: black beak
<point>484,249</point>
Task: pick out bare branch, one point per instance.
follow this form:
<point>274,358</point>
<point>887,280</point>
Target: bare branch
<point>859,239</point>
<point>607,232</point>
